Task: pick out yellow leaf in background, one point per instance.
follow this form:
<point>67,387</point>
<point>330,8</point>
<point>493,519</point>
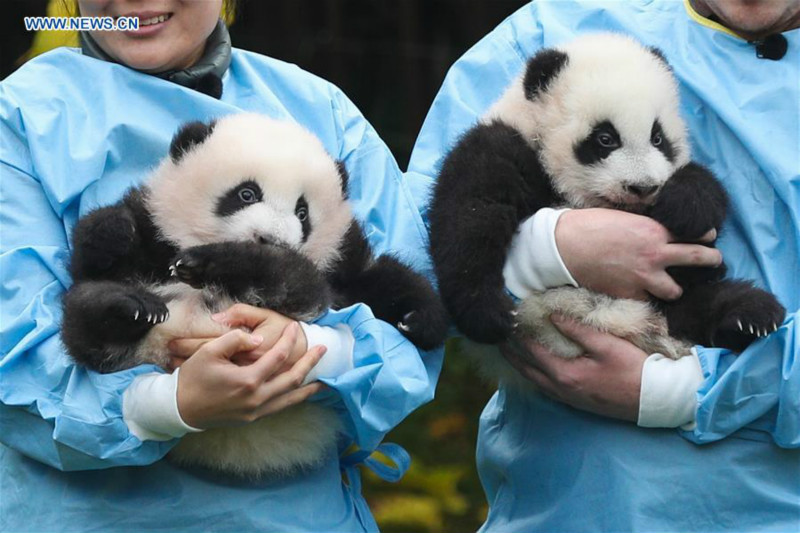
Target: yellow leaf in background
<point>408,512</point>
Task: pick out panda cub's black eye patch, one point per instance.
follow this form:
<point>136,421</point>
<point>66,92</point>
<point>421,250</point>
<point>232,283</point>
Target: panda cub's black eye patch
<point>599,144</point>
<point>660,141</point>
<point>302,214</point>
<point>237,198</point>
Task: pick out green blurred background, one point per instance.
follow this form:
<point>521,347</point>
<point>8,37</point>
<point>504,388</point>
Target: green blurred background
<point>389,57</point>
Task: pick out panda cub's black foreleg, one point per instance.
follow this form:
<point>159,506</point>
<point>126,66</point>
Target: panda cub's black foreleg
<point>267,275</point>
<point>104,320</point>
<point>403,298</point>
<point>489,183</point>
<point>726,314</point>
<point>691,203</point>
<point>104,242</point>
<point>395,293</point>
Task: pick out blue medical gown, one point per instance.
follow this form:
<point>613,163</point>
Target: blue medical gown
<point>76,133</point>
<point>548,467</point>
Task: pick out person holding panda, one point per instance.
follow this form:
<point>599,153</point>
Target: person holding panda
<point>718,447</point>
<point>84,451</point>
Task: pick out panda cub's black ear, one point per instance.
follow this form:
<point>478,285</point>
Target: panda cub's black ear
<point>188,136</point>
<point>659,55</point>
<point>542,70</point>
<point>344,176</point>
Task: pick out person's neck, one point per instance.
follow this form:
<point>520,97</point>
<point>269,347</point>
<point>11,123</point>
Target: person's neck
<point>204,75</point>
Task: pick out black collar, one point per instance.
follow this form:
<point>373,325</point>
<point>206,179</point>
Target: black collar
<point>204,76</point>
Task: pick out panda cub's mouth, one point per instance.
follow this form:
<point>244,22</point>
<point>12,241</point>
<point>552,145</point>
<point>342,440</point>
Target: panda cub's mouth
<point>637,205</point>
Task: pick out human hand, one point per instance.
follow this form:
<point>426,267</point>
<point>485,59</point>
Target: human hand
<point>606,380</point>
<point>626,255</point>
<point>213,391</point>
<point>264,322</point>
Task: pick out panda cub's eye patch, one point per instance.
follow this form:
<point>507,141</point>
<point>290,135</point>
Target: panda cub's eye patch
<point>660,141</point>
<point>237,198</point>
<point>599,144</point>
<point>301,212</point>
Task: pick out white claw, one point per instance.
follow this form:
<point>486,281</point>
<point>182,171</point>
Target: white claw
<point>136,315</point>
<point>149,317</point>
<point>402,326</point>
<point>774,327</point>
<point>514,313</point>
<point>173,271</point>
<point>739,323</point>
<point>751,329</point>
<point>178,263</point>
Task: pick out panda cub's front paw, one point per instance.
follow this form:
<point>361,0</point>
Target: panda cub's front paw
<point>194,266</point>
<point>490,317</point>
<point>426,328</point>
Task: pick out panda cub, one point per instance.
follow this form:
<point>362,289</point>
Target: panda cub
<point>594,123</point>
<point>245,209</point>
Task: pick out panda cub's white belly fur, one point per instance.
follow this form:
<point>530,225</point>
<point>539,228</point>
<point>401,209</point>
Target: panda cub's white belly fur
<point>295,438</point>
<point>633,320</point>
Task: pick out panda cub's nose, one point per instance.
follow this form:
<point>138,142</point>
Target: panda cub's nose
<point>642,191</point>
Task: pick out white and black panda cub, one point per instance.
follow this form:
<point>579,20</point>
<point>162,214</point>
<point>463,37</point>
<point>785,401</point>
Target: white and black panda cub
<point>594,123</point>
<point>245,209</point>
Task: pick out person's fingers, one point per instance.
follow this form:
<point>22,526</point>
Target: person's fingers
<point>294,377</point>
<point>229,344</point>
<point>663,287</point>
<point>293,397</point>
<point>591,340</point>
<point>273,359</point>
<point>691,255</point>
<point>185,348</point>
<point>529,371</point>
<point>239,315</point>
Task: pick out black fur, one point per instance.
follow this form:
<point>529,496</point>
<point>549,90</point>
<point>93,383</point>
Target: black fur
<point>490,183</point>
<point>119,253</point>
<point>541,70</point>
<point>599,144</point>
<point>237,198</point>
<point>189,136</point>
<point>492,180</point>
<point>395,293</point>
<point>660,56</point>
<point>660,141</point>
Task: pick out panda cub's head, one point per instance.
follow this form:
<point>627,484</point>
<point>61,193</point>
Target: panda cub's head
<point>247,177</point>
<point>602,113</point>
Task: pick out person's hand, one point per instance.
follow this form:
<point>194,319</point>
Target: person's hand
<point>606,380</point>
<point>264,322</point>
<point>213,391</point>
<point>626,255</point>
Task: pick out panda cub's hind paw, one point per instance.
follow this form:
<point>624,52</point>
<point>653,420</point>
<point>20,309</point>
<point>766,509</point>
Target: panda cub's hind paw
<point>136,313</point>
<point>425,328</point>
<point>761,315</point>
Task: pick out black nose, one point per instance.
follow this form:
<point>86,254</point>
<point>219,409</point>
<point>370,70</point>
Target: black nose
<point>642,191</point>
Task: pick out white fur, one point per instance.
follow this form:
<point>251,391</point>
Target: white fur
<point>287,161</point>
<point>608,77</point>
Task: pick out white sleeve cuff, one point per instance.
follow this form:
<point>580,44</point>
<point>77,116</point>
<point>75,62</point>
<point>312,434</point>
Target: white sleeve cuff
<point>533,262</point>
<point>150,407</point>
<point>338,359</point>
<point>668,396</point>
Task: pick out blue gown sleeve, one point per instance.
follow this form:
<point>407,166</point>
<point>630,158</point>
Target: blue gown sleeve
<point>391,377</point>
<point>50,409</point>
<point>756,392</point>
<point>758,389</point>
